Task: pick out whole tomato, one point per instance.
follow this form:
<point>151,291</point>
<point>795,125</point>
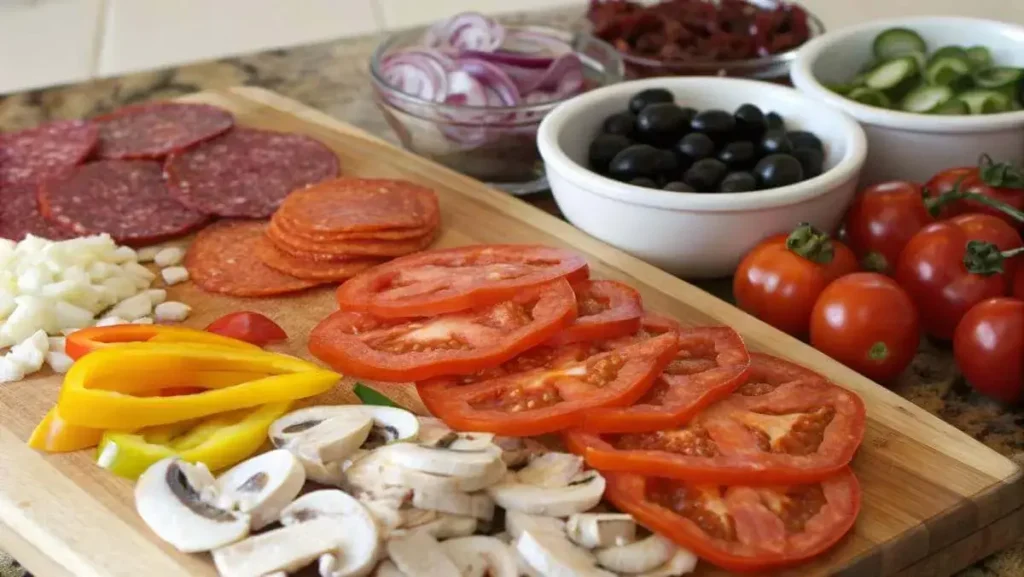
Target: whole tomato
<point>989,348</point>
<point>998,181</point>
<point>946,182</point>
<point>932,269</point>
<point>779,280</point>
<point>882,219</point>
<point>867,322</point>
<point>1018,282</point>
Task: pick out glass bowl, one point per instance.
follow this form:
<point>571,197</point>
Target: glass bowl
<point>497,145</point>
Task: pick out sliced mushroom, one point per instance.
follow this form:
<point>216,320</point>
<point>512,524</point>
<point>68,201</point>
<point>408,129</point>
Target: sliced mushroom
<point>478,505</point>
<point>261,486</point>
<point>387,569</point>
<point>357,554</point>
<point>377,470</point>
<point>579,495</point>
<point>420,555</point>
<point>681,563</point>
<point>286,549</point>
<point>481,556</point>
<point>517,523</point>
<point>518,451</point>
<point>177,501</point>
<point>644,555</point>
<point>593,530</point>
<point>524,567</point>
<point>553,555</point>
<point>444,461</point>
<point>434,433</point>
<point>551,470</point>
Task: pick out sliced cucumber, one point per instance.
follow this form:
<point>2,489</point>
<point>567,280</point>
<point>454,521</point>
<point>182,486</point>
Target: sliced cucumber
<point>897,42</point>
<point>949,52</point>
<point>952,107</point>
<point>946,70</point>
<point>891,74</point>
<point>998,77</point>
<point>841,89</point>
<point>870,96</point>
<point>981,101</point>
<point>979,56</point>
<point>926,98</point>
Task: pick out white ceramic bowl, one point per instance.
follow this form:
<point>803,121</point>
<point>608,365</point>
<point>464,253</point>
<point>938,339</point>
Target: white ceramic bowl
<point>692,234</point>
<point>904,145</point>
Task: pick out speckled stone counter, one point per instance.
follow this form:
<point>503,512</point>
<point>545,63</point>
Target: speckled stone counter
<point>332,77</point>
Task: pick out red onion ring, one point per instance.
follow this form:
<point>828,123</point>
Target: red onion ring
<point>466,31</point>
<point>419,72</point>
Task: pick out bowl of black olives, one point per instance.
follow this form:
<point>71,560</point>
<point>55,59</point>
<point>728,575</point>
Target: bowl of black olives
<point>689,173</point>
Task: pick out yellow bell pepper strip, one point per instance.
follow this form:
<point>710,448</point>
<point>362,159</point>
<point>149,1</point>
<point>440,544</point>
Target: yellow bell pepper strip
<point>89,339</point>
<point>55,435</point>
<point>218,441</point>
<point>104,388</point>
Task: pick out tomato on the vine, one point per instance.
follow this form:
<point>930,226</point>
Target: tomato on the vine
<point>989,348</point>
<point>1018,283</point>
<point>779,280</point>
<point>868,323</point>
<point>998,181</point>
<point>945,276</point>
<point>945,182</point>
<point>881,221</point>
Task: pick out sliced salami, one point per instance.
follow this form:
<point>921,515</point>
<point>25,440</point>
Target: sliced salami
<point>19,215</point>
<point>247,173</point>
<point>47,151</point>
<point>126,198</point>
<point>349,205</point>
<point>349,248</point>
<point>222,259</point>
<point>319,270</point>
<point>155,130</point>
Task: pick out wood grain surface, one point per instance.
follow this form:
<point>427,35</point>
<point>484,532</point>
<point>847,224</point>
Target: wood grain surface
<point>935,499</point>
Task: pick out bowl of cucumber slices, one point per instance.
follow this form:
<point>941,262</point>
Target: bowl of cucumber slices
<point>930,92</point>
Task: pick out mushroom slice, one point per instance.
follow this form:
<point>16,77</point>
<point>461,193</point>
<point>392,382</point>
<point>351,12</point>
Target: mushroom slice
<point>377,470</point>
<point>387,569</point>
<point>448,462</point>
<point>681,563</point>
<point>518,451</point>
<point>420,555</point>
<point>261,486</point>
<point>593,530</point>
<point>177,501</point>
<point>434,433</point>
<point>286,549</point>
<point>324,473</point>
<point>551,470</point>
<point>356,554</point>
<point>579,495</point>
<point>481,556</point>
<point>644,555</point>
<point>553,555</point>
<point>444,527</point>
<point>333,432</point>
<point>517,523</point>
<point>478,505</point>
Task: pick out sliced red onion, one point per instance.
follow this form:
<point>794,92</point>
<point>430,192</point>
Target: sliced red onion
<point>465,90</point>
<point>493,78</point>
<point>564,76</point>
<point>466,31</point>
<point>537,41</point>
<point>418,72</point>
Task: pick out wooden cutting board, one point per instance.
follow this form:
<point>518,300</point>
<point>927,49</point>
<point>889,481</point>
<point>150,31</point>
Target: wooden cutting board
<point>934,499</point>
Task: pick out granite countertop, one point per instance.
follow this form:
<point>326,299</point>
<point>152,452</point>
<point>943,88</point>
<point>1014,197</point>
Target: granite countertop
<point>332,77</point>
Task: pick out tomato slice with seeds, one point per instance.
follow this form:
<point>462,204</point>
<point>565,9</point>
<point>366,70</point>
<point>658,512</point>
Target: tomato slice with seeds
<point>604,309</point>
<point>370,347</point>
<point>451,280</point>
<point>738,527</point>
<point>786,424</point>
<point>548,389</point>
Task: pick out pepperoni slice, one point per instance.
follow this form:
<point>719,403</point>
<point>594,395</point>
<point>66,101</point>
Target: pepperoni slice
<point>154,130</point>
<point>348,248</point>
<point>19,216</point>
<point>47,151</point>
<point>127,199</point>
<point>314,270</point>
<point>349,205</point>
<point>284,227</point>
<point>222,259</point>
<point>605,309</point>
<point>247,173</point>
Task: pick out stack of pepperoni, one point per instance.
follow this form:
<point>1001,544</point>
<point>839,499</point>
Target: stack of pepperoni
<point>739,457</point>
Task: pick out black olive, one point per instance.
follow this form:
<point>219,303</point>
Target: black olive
<point>705,174</point>
<point>811,160</point>
<point>776,141</point>
<point>695,146</point>
<point>619,123</point>
<point>604,148</point>
<point>718,124</point>
<point>677,186</point>
<point>772,121</point>
<point>635,161</point>
<point>777,170</point>
<point>738,182</point>
<point>749,121</point>
<point>645,98</point>
<point>739,154</point>
<point>804,139</point>
<point>668,164</point>
<point>661,124</point>
<point>644,182</point>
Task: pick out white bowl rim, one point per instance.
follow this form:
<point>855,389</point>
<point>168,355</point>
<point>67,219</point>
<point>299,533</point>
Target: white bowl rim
<point>558,161</point>
<point>804,80</point>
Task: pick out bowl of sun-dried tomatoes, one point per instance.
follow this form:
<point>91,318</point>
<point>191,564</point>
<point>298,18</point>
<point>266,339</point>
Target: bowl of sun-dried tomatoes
<point>743,38</point>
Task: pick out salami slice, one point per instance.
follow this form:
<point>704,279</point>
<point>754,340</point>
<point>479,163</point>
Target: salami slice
<point>348,205</point>
<point>247,173</point>
<point>155,130</point>
<point>319,270</point>
<point>125,198</point>
<point>47,151</point>
<point>19,215</point>
<point>222,259</point>
<point>286,226</point>
<point>348,248</point>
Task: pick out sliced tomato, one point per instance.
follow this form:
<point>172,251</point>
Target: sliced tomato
<point>742,528</point>
<point>604,309</point>
<point>451,280</point>
<point>370,347</point>
<point>710,364</point>
<point>786,424</point>
<point>548,389</point>
<point>249,327</point>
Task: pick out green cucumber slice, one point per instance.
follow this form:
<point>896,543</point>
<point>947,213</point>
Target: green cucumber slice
<point>985,101</point>
<point>997,77</point>
<point>979,56</point>
<point>952,107</point>
<point>946,70</point>
<point>926,98</point>
<point>892,73</point>
<point>896,42</point>
<point>870,97</point>
<point>949,52</point>
<point>841,89</point>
